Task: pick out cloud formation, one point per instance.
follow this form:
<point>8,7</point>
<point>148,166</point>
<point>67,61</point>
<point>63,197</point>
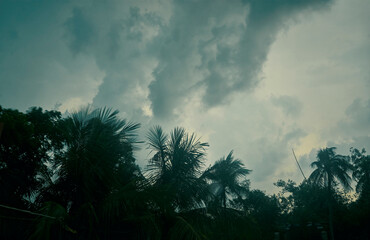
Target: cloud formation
<point>216,47</point>
<point>145,57</point>
<point>36,66</point>
<point>259,77</point>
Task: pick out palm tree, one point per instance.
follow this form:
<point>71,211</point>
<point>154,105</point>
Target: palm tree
<point>225,175</point>
<point>98,155</point>
<point>176,165</point>
<point>174,172</point>
<point>98,144</point>
<point>330,169</point>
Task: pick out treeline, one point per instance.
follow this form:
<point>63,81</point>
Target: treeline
<point>76,177</point>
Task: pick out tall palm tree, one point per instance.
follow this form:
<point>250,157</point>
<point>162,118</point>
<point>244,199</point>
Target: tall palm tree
<point>330,169</point>
<point>176,164</point>
<point>226,174</point>
<point>174,171</point>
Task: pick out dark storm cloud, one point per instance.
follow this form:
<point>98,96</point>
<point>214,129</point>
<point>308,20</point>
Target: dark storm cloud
<point>115,34</point>
<point>36,67</point>
<point>168,51</point>
<point>80,31</point>
<point>226,44</point>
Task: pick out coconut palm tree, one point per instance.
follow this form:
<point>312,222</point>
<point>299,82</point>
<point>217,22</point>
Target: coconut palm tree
<point>331,169</point>
<point>225,175</point>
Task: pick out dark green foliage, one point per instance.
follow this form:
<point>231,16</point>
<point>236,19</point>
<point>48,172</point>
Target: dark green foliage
<point>331,169</point>
<point>361,173</point>
<point>304,203</point>
<point>26,142</point>
<point>75,177</point>
<point>225,176</point>
<point>175,168</point>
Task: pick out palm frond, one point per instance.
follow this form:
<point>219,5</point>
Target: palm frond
<point>227,173</point>
<point>331,167</point>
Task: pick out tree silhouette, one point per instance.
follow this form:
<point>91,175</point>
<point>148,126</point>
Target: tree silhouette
<point>330,169</point>
<point>25,146</point>
<point>98,154</point>
<point>75,177</point>
<point>174,171</point>
<point>225,175</point>
<point>361,175</point>
<point>176,165</point>
<point>361,171</point>
<point>29,140</point>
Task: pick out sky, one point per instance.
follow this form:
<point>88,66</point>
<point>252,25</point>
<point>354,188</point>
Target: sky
<point>260,77</point>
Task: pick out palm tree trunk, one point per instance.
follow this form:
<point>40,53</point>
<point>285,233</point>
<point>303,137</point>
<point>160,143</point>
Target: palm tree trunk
<point>331,224</point>
<point>330,198</point>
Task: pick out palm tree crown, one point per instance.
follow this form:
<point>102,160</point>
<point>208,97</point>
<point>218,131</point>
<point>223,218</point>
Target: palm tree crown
<point>331,168</point>
<point>98,146</point>
<point>176,164</point>
<point>225,175</point>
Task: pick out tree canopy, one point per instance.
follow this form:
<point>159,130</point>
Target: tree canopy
<point>76,177</point>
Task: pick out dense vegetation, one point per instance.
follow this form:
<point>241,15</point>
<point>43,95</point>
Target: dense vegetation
<point>75,177</point>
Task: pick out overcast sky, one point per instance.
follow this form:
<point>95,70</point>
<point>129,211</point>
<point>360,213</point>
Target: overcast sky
<point>259,77</point>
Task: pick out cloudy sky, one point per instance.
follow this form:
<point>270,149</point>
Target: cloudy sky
<point>259,77</point>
